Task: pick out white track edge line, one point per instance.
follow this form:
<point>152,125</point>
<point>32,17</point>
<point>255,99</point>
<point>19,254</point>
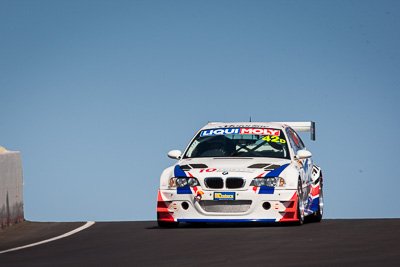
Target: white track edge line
<point>87,225</point>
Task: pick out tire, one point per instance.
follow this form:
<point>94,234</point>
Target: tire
<point>164,224</point>
<point>300,204</point>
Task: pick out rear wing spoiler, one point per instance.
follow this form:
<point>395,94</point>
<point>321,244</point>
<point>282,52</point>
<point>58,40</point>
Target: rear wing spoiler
<point>308,126</point>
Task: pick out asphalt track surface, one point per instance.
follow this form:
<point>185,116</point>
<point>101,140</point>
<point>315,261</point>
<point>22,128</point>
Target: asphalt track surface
<point>329,243</point>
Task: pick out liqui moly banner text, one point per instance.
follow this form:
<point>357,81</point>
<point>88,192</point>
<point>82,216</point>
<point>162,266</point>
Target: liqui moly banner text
<point>255,131</point>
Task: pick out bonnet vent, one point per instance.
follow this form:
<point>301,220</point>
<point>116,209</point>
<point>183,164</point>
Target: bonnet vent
<point>272,167</point>
<point>266,166</point>
<point>198,166</point>
<point>194,166</point>
<point>258,165</point>
<point>185,167</point>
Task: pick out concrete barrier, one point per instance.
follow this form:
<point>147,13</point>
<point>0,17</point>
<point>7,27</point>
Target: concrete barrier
<point>11,196</point>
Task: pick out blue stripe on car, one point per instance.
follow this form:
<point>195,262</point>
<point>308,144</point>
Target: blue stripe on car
<point>266,190</point>
<point>226,220</point>
<point>276,172</point>
<point>315,204</point>
<point>178,172</point>
<point>184,190</point>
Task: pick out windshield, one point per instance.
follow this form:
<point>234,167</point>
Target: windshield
<point>239,142</point>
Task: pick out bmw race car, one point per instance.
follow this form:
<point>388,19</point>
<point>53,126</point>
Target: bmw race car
<point>242,172</point>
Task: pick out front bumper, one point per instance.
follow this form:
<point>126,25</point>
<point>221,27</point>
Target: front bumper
<point>255,204</point>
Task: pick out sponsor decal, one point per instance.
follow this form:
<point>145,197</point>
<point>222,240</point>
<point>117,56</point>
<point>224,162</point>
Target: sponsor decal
<point>259,131</point>
<point>255,131</point>
<point>220,132</point>
<point>243,126</point>
<point>174,206</point>
<point>300,164</point>
<point>224,196</point>
<point>274,139</point>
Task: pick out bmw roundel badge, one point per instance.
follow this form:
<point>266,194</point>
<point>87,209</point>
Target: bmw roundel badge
<point>225,173</point>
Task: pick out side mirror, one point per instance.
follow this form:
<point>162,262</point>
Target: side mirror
<point>175,154</point>
<point>303,154</point>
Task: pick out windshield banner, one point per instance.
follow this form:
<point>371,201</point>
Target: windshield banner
<point>255,131</point>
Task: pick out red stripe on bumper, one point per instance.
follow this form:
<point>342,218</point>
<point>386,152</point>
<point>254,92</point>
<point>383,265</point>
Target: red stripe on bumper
<point>290,213</point>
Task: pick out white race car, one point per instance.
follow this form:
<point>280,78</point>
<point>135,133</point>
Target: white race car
<point>242,172</point>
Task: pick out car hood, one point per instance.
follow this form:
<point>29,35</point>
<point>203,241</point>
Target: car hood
<point>243,167</point>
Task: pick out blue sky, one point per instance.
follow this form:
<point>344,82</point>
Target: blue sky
<point>95,93</point>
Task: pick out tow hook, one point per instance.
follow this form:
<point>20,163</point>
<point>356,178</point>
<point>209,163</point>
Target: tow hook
<point>199,194</point>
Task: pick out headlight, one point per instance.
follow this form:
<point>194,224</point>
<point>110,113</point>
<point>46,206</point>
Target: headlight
<point>193,182</point>
<point>269,181</point>
<point>183,181</point>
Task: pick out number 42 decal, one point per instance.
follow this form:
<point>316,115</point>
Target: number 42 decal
<point>274,139</point>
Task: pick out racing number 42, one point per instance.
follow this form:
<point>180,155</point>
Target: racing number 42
<point>274,139</point>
